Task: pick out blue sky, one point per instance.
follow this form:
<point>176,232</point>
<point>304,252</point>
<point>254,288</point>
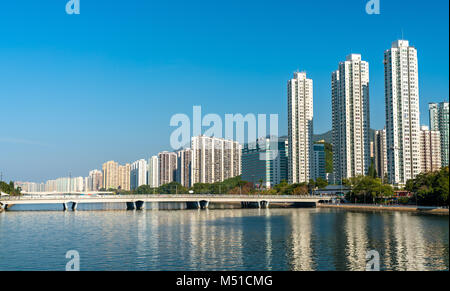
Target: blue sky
<point>78,90</point>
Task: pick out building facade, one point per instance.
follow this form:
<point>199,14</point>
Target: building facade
<point>167,167</point>
<point>300,127</point>
<point>110,171</point>
<point>94,181</point>
<point>153,172</point>
<point>402,112</point>
<point>124,177</point>
<point>138,174</point>
<point>430,150</point>
<point>265,161</point>
<point>351,118</point>
<point>184,167</point>
<point>380,154</point>
<point>214,159</point>
<point>439,121</point>
<point>318,168</point>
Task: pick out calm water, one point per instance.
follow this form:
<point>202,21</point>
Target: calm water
<point>236,239</point>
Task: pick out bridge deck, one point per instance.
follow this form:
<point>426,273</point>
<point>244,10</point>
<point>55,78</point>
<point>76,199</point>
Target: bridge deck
<point>55,199</point>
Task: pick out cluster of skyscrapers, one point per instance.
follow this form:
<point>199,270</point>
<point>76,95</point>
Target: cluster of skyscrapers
<point>209,160</point>
<point>400,151</point>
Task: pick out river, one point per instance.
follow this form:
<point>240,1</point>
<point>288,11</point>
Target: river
<point>227,239</point>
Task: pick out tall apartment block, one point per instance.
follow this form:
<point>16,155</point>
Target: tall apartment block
<point>124,177</point>
<point>167,167</point>
<point>138,174</point>
<point>439,120</point>
<point>300,127</point>
<point>351,118</point>
<point>402,112</point>
<point>214,159</point>
<point>184,168</point>
<point>380,159</point>
<point>318,168</point>
<point>94,181</point>
<point>153,172</point>
<point>110,175</point>
<point>430,150</point>
<point>265,160</point>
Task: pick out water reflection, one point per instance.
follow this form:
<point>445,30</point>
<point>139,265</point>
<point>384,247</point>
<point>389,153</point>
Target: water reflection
<point>234,239</point>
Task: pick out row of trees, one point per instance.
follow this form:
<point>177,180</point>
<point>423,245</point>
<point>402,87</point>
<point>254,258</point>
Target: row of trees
<point>233,186</point>
<point>9,188</point>
<point>230,186</point>
<point>367,189</point>
<point>430,188</point>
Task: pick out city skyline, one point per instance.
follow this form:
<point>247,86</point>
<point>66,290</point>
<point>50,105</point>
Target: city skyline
<point>65,108</point>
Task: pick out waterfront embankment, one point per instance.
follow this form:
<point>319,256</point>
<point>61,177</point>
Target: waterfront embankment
<point>427,210</point>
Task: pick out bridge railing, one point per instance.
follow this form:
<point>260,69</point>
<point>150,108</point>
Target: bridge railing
<point>163,196</point>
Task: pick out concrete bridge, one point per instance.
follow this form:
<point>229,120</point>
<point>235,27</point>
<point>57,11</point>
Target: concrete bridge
<point>193,201</point>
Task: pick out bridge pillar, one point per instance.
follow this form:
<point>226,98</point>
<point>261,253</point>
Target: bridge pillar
<point>193,205</point>
<point>74,206</point>
<point>131,206</point>
<point>140,205</point>
<point>264,204</point>
<point>204,204</point>
<point>65,206</point>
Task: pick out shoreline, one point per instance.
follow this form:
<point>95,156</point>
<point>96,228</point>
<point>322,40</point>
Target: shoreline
<point>436,211</point>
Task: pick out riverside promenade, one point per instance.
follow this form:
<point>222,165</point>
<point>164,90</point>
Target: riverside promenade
<point>403,208</point>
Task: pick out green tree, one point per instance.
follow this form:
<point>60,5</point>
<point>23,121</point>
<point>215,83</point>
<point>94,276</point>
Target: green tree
<point>321,183</point>
<point>372,170</point>
<point>366,189</point>
<point>145,189</point>
<point>9,188</point>
<point>328,156</point>
<point>172,188</point>
<point>430,188</point>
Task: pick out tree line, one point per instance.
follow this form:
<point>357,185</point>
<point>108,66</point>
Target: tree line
<point>9,188</point>
<point>230,186</point>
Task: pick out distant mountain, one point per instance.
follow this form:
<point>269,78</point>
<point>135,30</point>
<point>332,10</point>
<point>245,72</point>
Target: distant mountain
<point>328,136</point>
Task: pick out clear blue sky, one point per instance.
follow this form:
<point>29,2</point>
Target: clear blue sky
<point>78,90</point>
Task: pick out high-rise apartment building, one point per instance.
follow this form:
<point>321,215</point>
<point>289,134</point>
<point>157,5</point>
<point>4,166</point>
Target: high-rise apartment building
<point>153,172</point>
<point>402,112</point>
<point>110,175</point>
<point>439,121</point>
<point>300,127</point>
<point>184,167</point>
<point>214,159</point>
<point>318,168</point>
<point>430,150</point>
<point>124,177</point>
<point>94,181</point>
<point>351,118</point>
<point>380,159</point>
<point>138,174</point>
<point>167,167</point>
<point>266,161</point>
